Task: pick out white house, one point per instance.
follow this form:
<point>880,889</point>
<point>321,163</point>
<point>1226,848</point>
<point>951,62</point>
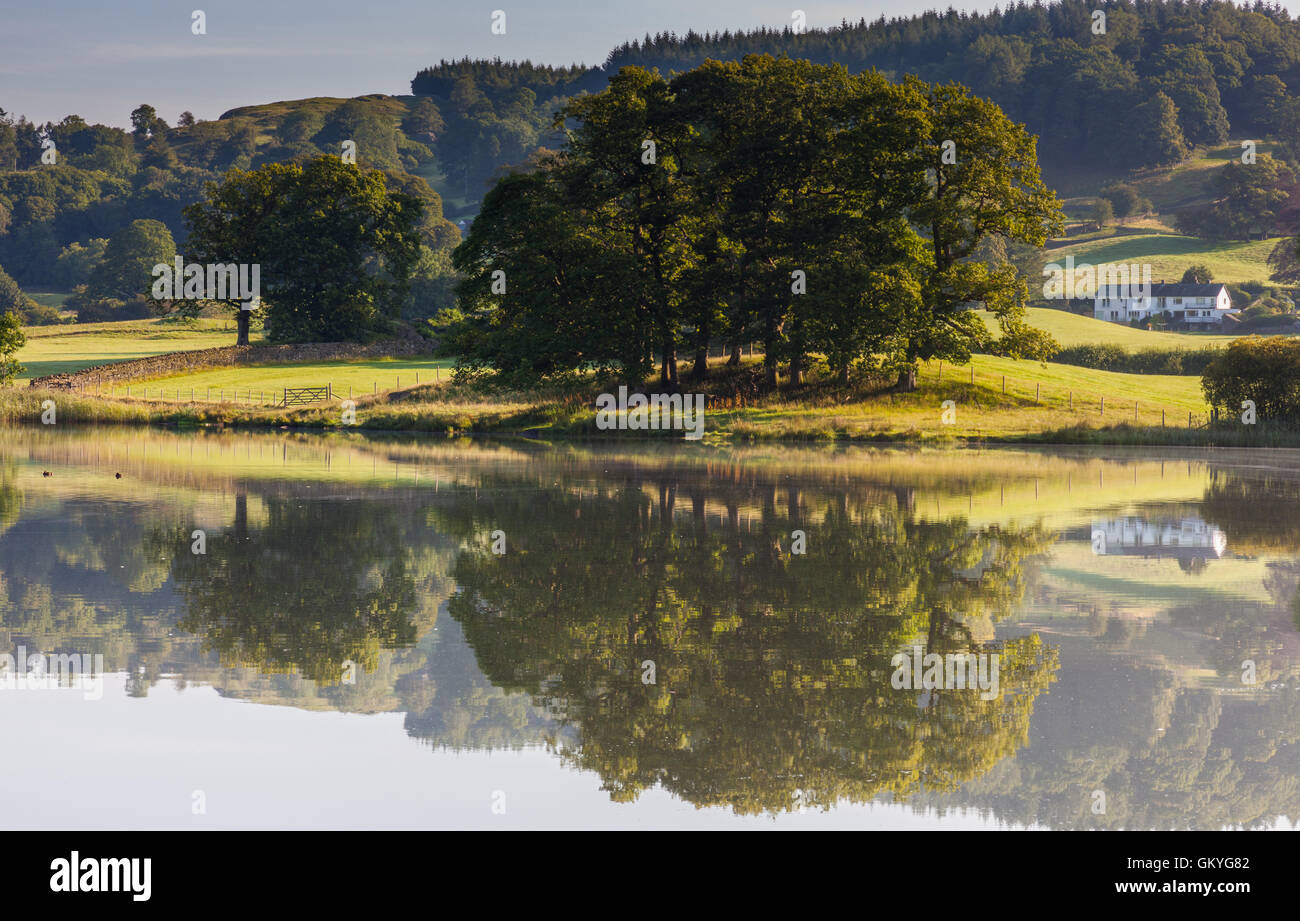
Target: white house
<point>1198,305</point>
<point>1191,538</point>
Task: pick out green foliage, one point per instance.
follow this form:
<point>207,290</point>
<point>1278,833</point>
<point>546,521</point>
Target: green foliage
<point>1197,275</point>
<point>1105,357</point>
<point>11,340</point>
<point>1123,198</point>
<point>1217,67</point>
<point>1247,201</point>
<point>334,244</point>
<point>1263,369</point>
<point>769,200</point>
<point>105,178</point>
<point>78,261</point>
<point>375,137</point>
<point>1103,212</point>
<point>1157,138</point>
<point>126,269</point>
<point>12,297</point>
<point>432,286</point>
<point>1283,263</point>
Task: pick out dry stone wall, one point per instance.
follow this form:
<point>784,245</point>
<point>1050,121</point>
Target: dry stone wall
<point>228,356</point>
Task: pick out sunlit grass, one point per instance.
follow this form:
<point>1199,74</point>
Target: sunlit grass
<point>63,349</point>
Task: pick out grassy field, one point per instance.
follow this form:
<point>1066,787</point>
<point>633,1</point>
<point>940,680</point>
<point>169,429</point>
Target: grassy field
<point>49,298</point>
<point>1071,329</point>
<point>1168,188</point>
<point>993,398</point>
<point>1057,382</point>
<point>63,349</point>
<point>1169,255</point>
<point>1004,400</point>
<point>1152,238</point>
<point>265,383</point>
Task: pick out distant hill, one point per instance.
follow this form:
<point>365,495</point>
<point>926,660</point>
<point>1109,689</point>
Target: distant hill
<point>55,218</point>
<point>1140,89</point>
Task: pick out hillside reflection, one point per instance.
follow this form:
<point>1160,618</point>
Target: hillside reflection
<point>724,631</point>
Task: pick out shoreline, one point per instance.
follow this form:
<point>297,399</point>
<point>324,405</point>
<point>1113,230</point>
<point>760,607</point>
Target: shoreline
<point>396,413</point>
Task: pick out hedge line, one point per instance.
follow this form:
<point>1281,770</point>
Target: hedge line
<point>1143,361</point>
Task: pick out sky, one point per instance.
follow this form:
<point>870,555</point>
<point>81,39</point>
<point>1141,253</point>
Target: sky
<point>124,762</point>
<point>102,58</point>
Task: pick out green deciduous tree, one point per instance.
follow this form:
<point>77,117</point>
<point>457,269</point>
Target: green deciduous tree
<point>126,270</point>
<point>334,243</point>
<point>11,340</point>
<point>768,199</point>
<point>1265,370</point>
<point>1248,198</point>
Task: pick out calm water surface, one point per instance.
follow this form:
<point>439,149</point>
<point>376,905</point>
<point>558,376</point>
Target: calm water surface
<point>414,633</point>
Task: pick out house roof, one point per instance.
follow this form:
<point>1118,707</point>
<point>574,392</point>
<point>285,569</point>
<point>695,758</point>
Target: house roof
<point>1189,290</point>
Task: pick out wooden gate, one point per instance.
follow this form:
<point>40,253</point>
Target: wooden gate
<point>301,396</point>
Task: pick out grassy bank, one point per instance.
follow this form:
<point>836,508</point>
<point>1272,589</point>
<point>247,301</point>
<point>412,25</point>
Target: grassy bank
<point>265,383</point>
<point>992,400</point>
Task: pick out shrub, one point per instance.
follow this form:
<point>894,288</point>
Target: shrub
<point>1143,361</point>
<point>1123,198</point>
<point>1264,369</point>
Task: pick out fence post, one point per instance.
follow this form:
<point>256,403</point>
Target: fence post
<point>1162,418</point>
<point>941,371</point>
<point>1135,410</point>
<point>1004,385</point>
<point>1103,406</point>
<point>1071,401</point>
<point>1189,420</point>
<point>972,374</point>
<point>1036,392</point>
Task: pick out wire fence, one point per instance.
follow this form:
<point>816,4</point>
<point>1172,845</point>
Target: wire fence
<point>1108,407</point>
<point>1082,402</point>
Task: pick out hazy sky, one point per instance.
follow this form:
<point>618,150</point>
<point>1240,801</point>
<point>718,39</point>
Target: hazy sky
<point>102,58</point>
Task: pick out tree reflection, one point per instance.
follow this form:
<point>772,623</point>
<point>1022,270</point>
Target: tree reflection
<point>772,670</point>
<point>316,585</point>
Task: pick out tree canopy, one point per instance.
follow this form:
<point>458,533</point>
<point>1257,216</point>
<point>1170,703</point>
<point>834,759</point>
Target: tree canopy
<point>334,244</point>
<point>766,199</point>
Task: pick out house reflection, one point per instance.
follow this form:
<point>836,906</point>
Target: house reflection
<point>1191,541</point>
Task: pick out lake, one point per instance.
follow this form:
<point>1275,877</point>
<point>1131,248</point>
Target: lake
<point>299,631</point>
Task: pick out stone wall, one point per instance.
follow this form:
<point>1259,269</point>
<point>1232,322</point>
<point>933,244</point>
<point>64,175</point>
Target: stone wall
<point>228,356</point>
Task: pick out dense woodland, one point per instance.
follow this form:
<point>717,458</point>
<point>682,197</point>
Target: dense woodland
<point>1181,74</point>
<point>1176,73</point>
<point>112,203</point>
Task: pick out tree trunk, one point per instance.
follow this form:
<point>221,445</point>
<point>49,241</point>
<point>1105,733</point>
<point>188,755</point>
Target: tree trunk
<point>796,369</point>
<point>668,374</point>
<point>906,380</point>
<point>734,360</point>
<point>701,370</point>
<point>242,324</point>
